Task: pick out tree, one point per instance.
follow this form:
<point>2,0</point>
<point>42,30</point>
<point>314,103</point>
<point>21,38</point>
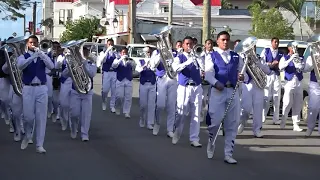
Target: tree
<point>226,5</point>
<point>261,3</point>
<point>268,24</point>
<point>47,23</point>
<point>81,28</point>
<point>294,6</point>
<point>9,9</point>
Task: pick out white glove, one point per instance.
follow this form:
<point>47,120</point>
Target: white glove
<point>189,61</point>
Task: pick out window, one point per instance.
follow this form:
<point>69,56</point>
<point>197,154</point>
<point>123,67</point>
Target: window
<point>61,16</point>
<point>164,9</point>
<point>69,15</point>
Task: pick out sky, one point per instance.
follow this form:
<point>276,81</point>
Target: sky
<point>8,27</point>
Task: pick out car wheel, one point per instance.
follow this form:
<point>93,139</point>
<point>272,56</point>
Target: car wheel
<point>304,111</point>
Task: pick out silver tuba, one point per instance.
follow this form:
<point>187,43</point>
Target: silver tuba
<point>74,57</point>
<point>294,46</point>
<point>165,48</point>
<point>314,49</point>
<point>247,48</point>
<point>19,47</point>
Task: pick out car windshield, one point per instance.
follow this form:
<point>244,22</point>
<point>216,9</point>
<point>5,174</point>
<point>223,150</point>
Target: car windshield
<point>137,52</point>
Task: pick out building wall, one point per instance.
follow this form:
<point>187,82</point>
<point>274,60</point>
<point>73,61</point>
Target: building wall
<point>47,12</point>
<point>62,12</point>
<point>243,4</point>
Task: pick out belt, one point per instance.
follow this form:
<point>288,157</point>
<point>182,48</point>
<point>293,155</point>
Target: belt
<point>35,84</point>
<point>191,84</point>
<point>111,70</point>
<point>228,86</point>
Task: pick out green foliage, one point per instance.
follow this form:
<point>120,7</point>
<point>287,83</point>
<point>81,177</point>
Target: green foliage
<point>261,3</point>
<point>81,28</point>
<point>47,23</point>
<point>294,6</point>
<point>226,5</point>
<point>268,24</point>
<point>9,9</point>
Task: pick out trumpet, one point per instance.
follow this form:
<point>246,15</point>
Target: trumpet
<point>197,50</point>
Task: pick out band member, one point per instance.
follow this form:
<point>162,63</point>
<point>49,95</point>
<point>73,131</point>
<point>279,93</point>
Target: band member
<point>65,90</point>
<point>189,92</point>
<point>293,94</point>
<point>272,56</point>
<point>166,93</point>
<point>147,90</point>
<point>109,76</point>
<point>54,74</point>
<point>124,68</point>
<point>4,93</point>
<point>222,72</point>
<point>179,46</point>
<point>314,97</point>
<point>81,104</point>
<point>252,101</point>
<point>34,94</point>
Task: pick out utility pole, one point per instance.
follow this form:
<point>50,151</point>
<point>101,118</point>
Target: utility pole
<point>206,20</point>
<point>34,17</point>
<point>24,24</point>
<point>170,12</point>
<point>132,15</point>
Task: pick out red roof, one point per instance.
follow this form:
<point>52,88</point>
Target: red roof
<point>65,0</point>
<point>122,2</point>
<point>213,2</point>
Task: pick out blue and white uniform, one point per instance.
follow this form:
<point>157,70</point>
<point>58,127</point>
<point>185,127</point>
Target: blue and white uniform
<point>34,95</point>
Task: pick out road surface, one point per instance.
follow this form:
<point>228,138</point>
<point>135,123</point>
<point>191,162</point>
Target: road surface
<point>120,150</point>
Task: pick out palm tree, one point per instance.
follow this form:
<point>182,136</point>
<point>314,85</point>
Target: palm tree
<point>47,23</point>
<point>226,5</point>
<point>295,7</point>
<point>263,5</point>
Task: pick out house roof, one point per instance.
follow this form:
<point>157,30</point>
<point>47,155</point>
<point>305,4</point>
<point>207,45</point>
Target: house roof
<point>200,2</point>
<point>195,2</point>
<point>123,2</point>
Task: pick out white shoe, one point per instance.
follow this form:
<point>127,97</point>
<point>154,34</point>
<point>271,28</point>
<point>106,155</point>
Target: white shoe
<point>240,128</point>
<point>117,112</point>
<point>127,115</point>
<point>170,134</point>
<point>7,121</point>
<point>277,122</point>
<point>54,118</point>
<point>85,139</point>
<point>297,128</point>
<point>142,124</point>
<point>24,143</point>
<point>196,144</point>
<point>41,150</point>
<point>30,141</point>
<point>104,106</point>
<point>210,149</point>
<point>113,110</point>
<point>17,137</point>
<point>49,115</point>
<point>156,129</point>
<point>150,127</point>
<point>309,132</point>
<point>73,135</point>
<point>11,129</point>
<point>63,124</point>
<point>230,160</point>
<point>258,134</point>
<point>282,124</point>
<point>175,137</point>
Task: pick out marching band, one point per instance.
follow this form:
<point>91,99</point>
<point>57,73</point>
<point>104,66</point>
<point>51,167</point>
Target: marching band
<point>55,81</point>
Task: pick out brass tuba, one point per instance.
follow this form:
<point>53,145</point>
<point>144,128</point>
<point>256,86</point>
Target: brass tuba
<point>314,48</point>
<point>165,48</point>
<point>19,47</point>
<point>74,57</point>
<point>258,76</point>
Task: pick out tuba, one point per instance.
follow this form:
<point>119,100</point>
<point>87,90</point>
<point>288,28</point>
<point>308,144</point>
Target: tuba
<point>74,57</point>
<point>258,76</point>
<point>314,48</point>
<point>19,47</point>
<point>197,50</point>
<point>165,48</point>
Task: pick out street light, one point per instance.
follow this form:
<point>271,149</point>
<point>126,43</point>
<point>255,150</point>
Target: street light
<point>106,23</point>
<point>115,23</point>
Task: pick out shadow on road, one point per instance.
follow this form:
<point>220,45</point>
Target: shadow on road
<point>120,150</point>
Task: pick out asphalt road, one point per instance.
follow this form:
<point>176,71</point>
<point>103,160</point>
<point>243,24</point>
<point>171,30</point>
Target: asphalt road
<point>120,150</point>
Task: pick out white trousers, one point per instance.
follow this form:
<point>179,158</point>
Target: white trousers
<point>81,110</point>
<point>166,97</point>
<point>147,97</point>
<point>292,98</point>
<point>272,90</point>
<point>50,94</point>
<point>314,105</point>
<point>252,100</point>
<point>16,108</point>
<point>4,96</point>
<point>109,82</point>
<point>189,101</point>
<point>217,105</point>
<point>64,99</point>
<point>124,95</point>
<point>35,103</point>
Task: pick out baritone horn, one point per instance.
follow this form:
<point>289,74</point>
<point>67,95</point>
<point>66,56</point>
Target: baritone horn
<point>18,48</point>
<point>294,46</point>
<point>197,50</point>
<point>314,49</point>
<point>74,57</point>
<point>165,48</point>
